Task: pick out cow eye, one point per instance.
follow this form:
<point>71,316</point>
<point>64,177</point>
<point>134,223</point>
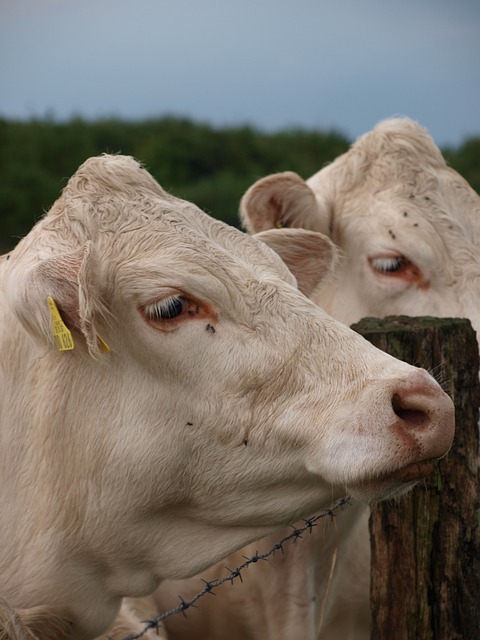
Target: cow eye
<point>388,265</point>
<point>166,309</point>
<point>398,268</point>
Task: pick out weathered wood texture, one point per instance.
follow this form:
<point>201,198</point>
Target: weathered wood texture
<point>426,545</point>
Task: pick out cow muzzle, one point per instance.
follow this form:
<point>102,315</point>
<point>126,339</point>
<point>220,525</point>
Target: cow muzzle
<point>425,422</point>
<point>422,430</point>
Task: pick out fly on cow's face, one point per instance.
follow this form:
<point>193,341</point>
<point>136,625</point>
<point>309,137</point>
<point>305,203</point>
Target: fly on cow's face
<point>210,328</point>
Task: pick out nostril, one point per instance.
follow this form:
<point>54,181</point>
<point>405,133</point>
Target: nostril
<point>410,415</point>
<point>424,418</point>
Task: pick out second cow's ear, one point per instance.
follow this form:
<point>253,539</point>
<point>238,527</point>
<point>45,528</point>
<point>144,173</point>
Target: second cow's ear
<point>282,200</point>
<point>71,282</point>
<point>309,255</point>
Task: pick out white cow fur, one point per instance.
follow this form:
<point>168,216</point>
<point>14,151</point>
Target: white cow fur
<point>390,201</point>
<point>196,433</point>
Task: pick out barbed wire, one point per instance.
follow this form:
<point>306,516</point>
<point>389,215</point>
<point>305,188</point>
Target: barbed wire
<point>233,574</point>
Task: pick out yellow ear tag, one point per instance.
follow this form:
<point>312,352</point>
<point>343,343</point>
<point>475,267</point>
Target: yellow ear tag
<point>104,348</point>
<point>279,225</point>
<point>61,334</point>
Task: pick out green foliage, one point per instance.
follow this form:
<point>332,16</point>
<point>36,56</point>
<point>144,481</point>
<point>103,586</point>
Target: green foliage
<point>466,160</point>
<point>210,166</point>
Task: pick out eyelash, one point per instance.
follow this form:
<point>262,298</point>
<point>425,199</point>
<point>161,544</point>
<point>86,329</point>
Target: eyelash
<point>167,309</point>
<point>388,265</point>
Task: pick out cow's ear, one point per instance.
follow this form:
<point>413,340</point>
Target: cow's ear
<point>62,289</point>
<point>282,200</point>
<point>309,255</point>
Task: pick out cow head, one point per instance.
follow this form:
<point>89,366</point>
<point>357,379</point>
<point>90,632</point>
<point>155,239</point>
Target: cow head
<point>406,224</point>
<point>227,405</point>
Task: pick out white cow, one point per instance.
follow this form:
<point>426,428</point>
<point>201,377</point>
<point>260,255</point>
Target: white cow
<point>408,227</point>
<point>192,433</point>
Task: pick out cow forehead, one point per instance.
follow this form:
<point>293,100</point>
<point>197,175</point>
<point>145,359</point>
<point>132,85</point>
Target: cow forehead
<point>187,241</point>
<point>176,253</point>
<point>399,166</point>
<point>117,205</point>
<point>436,209</point>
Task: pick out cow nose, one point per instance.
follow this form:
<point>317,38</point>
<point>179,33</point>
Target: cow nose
<point>426,413</point>
<point>410,409</point>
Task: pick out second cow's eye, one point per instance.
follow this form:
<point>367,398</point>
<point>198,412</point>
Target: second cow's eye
<point>167,309</point>
<point>398,268</point>
<point>388,264</point>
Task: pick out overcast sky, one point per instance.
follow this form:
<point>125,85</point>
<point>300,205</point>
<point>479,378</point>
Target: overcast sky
<point>343,64</point>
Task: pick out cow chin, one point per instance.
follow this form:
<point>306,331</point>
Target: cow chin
<point>393,484</point>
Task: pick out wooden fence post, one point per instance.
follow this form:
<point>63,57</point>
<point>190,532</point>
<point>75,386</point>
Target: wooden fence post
<point>426,545</point>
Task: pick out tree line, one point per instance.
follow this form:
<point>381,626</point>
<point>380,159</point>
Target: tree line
<point>209,166</point>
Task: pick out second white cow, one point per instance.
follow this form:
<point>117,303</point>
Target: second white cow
<point>408,228</point>
<point>192,433</point>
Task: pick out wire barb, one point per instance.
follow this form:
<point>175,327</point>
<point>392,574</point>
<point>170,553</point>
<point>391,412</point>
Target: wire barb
<point>293,537</point>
